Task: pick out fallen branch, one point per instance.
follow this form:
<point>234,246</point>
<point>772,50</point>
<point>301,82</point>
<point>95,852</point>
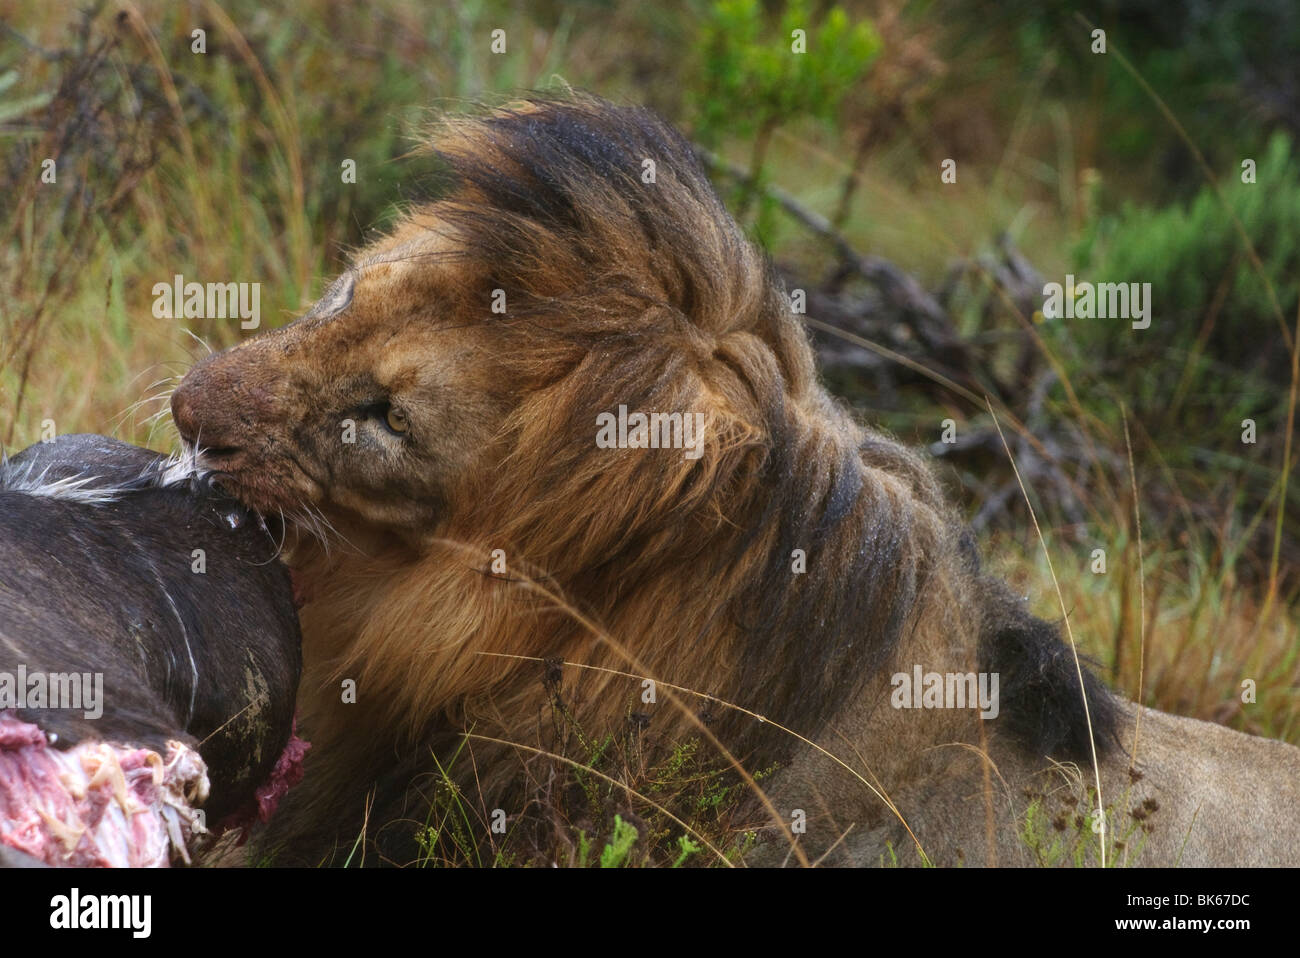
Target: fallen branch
<point>898,288</point>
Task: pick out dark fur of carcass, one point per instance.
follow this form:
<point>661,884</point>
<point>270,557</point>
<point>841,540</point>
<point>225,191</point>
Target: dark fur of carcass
<point>210,660</point>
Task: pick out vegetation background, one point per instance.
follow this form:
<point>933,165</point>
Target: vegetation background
<point>1122,166</point>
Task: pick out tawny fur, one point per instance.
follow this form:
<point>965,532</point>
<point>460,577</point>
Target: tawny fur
<point>619,291</point>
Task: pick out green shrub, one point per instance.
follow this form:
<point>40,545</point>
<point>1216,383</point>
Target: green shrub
<point>753,80</point>
<point>1215,353</point>
<point>1189,252</point>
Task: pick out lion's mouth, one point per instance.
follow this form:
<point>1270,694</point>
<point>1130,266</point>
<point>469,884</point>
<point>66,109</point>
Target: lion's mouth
<point>283,506</point>
<point>266,487</point>
<point>285,521</point>
<point>265,496</point>
<point>216,454</point>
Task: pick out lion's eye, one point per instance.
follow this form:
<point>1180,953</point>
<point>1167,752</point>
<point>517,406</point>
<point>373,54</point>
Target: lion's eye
<point>397,420</point>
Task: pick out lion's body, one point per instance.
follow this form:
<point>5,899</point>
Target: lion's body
<point>1198,795</point>
<point>474,430</point>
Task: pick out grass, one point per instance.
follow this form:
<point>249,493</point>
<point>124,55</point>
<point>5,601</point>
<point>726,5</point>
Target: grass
<point>605,809</point>
<point>226,166</point>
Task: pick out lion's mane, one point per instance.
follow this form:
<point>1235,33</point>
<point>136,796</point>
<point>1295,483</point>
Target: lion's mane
<point>626,288</point>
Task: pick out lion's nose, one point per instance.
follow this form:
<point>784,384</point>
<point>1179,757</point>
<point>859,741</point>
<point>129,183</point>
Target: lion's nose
<point>203,415</point>
<point>183,412</point>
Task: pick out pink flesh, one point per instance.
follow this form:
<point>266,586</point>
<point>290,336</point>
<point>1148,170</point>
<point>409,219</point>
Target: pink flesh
<point>301,591</point>
<point>97,804</point>
<point>286,774</point>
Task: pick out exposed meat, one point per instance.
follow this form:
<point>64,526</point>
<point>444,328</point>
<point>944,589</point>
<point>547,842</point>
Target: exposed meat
<point>286,774</point>
<point>97,804</point>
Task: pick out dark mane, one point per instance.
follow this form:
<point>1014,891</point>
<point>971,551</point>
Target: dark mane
<point>549,197</point>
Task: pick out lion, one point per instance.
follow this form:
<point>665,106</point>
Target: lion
<point>442,419</point>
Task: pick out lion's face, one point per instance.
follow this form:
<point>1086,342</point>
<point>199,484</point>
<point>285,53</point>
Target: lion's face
<point>414,400</point>
<point>374,408</point>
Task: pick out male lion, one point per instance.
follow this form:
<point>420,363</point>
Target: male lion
<point>444,400</point>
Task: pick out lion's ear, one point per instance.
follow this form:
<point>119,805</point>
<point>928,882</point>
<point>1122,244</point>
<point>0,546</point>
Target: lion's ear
<point>336,298</point>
